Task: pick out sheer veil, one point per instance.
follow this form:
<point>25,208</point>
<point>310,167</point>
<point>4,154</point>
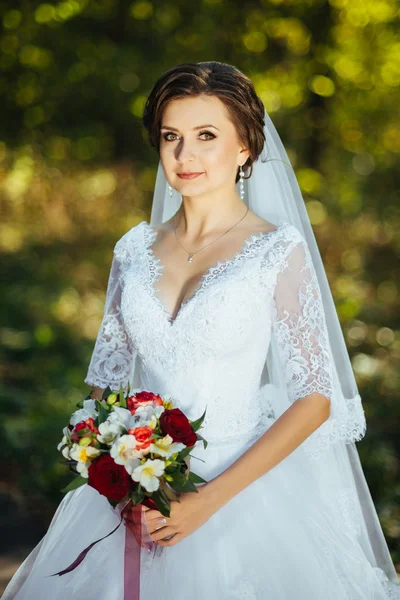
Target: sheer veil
<point>273,193</point>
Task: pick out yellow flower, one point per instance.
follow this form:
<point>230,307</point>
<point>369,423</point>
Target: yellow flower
<point>148,474</point>
<point>84,454</point>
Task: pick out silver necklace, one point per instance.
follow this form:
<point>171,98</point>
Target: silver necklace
<point>191,254</point>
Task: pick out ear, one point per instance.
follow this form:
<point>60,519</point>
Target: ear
<point>243,156</point>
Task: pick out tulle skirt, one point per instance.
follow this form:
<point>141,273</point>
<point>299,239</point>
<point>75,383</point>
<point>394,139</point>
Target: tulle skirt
<point>277,539</point>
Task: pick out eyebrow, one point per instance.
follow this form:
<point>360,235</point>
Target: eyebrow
<point>194,128</point>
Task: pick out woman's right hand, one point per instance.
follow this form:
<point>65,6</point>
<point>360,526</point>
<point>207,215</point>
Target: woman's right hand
<point>96,393</point>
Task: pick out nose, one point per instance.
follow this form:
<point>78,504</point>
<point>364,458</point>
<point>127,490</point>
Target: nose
<point>184,152</point>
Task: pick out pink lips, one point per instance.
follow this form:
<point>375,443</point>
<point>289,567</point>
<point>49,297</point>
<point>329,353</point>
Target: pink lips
<point>188,175</point>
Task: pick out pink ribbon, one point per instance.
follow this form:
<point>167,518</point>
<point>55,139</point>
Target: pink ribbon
<point>137,536</point>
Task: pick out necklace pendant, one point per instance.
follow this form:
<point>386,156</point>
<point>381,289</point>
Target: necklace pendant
<point>190,259</point>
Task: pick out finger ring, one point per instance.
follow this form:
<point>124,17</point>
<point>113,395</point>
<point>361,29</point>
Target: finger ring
<point>161,522</point>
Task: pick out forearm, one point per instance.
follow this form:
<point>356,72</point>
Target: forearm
<point>295,425</point>
<point>96,393</point>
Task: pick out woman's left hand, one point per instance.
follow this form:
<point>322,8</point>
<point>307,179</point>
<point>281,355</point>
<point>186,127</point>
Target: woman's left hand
<point>187,515</point>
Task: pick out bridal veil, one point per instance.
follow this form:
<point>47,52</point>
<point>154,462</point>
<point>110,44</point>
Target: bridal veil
<point>273,193</point>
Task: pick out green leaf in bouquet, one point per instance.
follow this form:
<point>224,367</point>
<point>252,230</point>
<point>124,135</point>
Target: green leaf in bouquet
<point>137,495</point>
<point>83,432</point>
<point>80,404</point>
<point>184,485</point>
<point>179,477</point>
<point>122,399</point>
<point>200,437</point>
<point>162,502</point>
<point>172,468</point>
<point>74,484</point>
<point>181,481</point>
<point>183,453</point>
<point>103,412</point>
<point>198,422</point>
<point>196,478</point>
<point>106,393</point>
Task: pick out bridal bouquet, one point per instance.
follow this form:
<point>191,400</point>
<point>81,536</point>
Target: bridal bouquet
<point>132,449</point>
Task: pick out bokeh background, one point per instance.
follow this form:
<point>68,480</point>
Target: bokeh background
<point>76,172</point>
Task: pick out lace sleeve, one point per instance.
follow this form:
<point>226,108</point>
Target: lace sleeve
<point>113,356</point>
<point>298,321</point>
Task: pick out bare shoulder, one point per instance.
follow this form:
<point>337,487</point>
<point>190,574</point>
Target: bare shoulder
<point>255,224</point>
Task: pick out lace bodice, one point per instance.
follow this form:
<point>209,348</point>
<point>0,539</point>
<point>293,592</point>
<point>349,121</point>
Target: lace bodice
<point>213,353</point>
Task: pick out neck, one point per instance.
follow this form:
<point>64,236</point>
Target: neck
<point>196,219</point>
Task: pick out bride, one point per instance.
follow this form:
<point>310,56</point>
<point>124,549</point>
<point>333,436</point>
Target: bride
<point>222,302</point>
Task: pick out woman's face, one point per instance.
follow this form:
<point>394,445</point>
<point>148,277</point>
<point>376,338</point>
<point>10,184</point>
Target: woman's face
<point>198,137</point>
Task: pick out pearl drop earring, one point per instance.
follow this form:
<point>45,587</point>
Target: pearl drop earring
<point>241,172</point>
<point>170,191</point>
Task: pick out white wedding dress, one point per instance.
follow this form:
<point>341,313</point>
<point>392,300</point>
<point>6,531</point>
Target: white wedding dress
<point>280,538</point>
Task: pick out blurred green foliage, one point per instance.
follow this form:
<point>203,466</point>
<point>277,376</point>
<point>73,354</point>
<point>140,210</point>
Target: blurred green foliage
<point>76,172</point>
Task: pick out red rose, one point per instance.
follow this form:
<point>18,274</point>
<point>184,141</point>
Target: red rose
<point>143,399</point>
<point>108,478</point>
<point>91,425</point>
<point>176,424</point>
<point>143,436</point>
<point>81,425</point>
<point>88,424</point>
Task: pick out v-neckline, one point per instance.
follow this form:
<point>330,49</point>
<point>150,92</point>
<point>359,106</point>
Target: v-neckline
<point>156,267</point>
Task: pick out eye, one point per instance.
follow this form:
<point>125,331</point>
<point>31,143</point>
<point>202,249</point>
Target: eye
<point>167,139</point>
<point>165,136</point>
<point>207,133</point>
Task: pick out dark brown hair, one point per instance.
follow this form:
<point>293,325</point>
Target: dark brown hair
<point>212,78</point>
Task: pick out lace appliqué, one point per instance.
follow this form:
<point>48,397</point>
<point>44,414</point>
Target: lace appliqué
<point>250,249</point>
<point>112,362</point>
<point>300,328</point>
<point>391,588</point>
<point>113,356</point>
<point>348,511</point>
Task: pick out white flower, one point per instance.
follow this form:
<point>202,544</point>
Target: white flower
<point>64,446</point>
<point>108,432</point>
<point>123,450</point>
<point>66,438</point>
<point>148,473</point>
<point>145,416</point>
<point>87,412</point>
<point>122,417</point>
<point>165,447</point>
<point>66,452</point>
<point>153,422</point>
<point>62,443</point>
<point>166,398</point>
<point>84,455</point>
<point>158,411</point>
<point>82,469</point>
